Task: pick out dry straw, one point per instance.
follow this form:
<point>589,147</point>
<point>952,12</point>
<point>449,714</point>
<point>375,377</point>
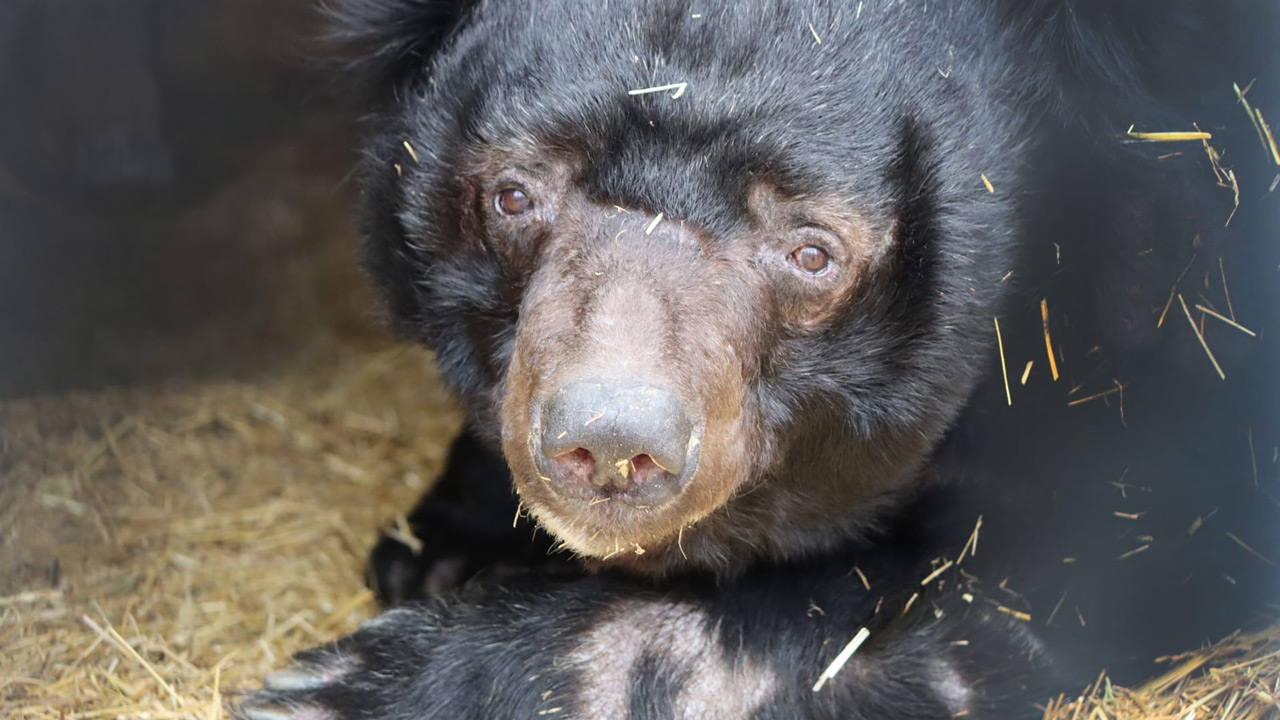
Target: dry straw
<point>163,547</point>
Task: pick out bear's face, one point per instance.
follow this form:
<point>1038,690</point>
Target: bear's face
<point>630,406</point>
<point>709,325</point>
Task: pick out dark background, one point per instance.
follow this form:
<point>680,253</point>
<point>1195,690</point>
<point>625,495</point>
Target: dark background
<point>173,192</point>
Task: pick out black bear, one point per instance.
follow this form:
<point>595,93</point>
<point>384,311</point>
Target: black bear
<point>715,279</point>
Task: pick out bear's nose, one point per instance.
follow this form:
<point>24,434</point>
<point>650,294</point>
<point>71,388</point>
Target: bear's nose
<point>616,437</point>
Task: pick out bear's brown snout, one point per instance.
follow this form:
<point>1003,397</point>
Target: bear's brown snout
<point>626,413</point>
<point>616,439</point>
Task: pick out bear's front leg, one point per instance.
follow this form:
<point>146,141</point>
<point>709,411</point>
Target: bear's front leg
<point>467,524</point>
<point>604,647</point>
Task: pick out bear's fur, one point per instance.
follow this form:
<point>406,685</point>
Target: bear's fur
<point>660,243</point>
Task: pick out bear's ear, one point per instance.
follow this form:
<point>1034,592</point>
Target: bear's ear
<point>384,253</point>
<point>383,43</point>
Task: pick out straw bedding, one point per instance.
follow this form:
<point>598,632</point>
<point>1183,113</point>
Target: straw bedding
<point>162,546</point>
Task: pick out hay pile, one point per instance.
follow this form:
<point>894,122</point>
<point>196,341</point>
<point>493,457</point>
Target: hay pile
<point>162,546</point>
<point>1236,679</point>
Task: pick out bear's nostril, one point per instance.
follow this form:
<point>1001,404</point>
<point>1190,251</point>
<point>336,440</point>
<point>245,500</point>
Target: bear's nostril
<point>629,472</point>
<point>644,467</point>
<point>576,466</point>
<point>645,470</point>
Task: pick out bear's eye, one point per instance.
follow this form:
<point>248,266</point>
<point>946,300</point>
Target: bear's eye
<point>811,259</point>
<point>512,201</point>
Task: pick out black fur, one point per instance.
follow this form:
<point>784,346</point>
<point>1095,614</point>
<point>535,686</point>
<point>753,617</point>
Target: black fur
<point>912,105</point>
<point>518,651</point>
<point>468,523</point>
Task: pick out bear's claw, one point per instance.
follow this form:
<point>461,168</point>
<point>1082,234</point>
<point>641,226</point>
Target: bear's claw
<point>362,675</point>
<point>295,680</point>
<point>252,711</point>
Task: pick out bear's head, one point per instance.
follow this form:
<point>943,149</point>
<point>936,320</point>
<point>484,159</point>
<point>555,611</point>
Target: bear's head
<point>716,294</point>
